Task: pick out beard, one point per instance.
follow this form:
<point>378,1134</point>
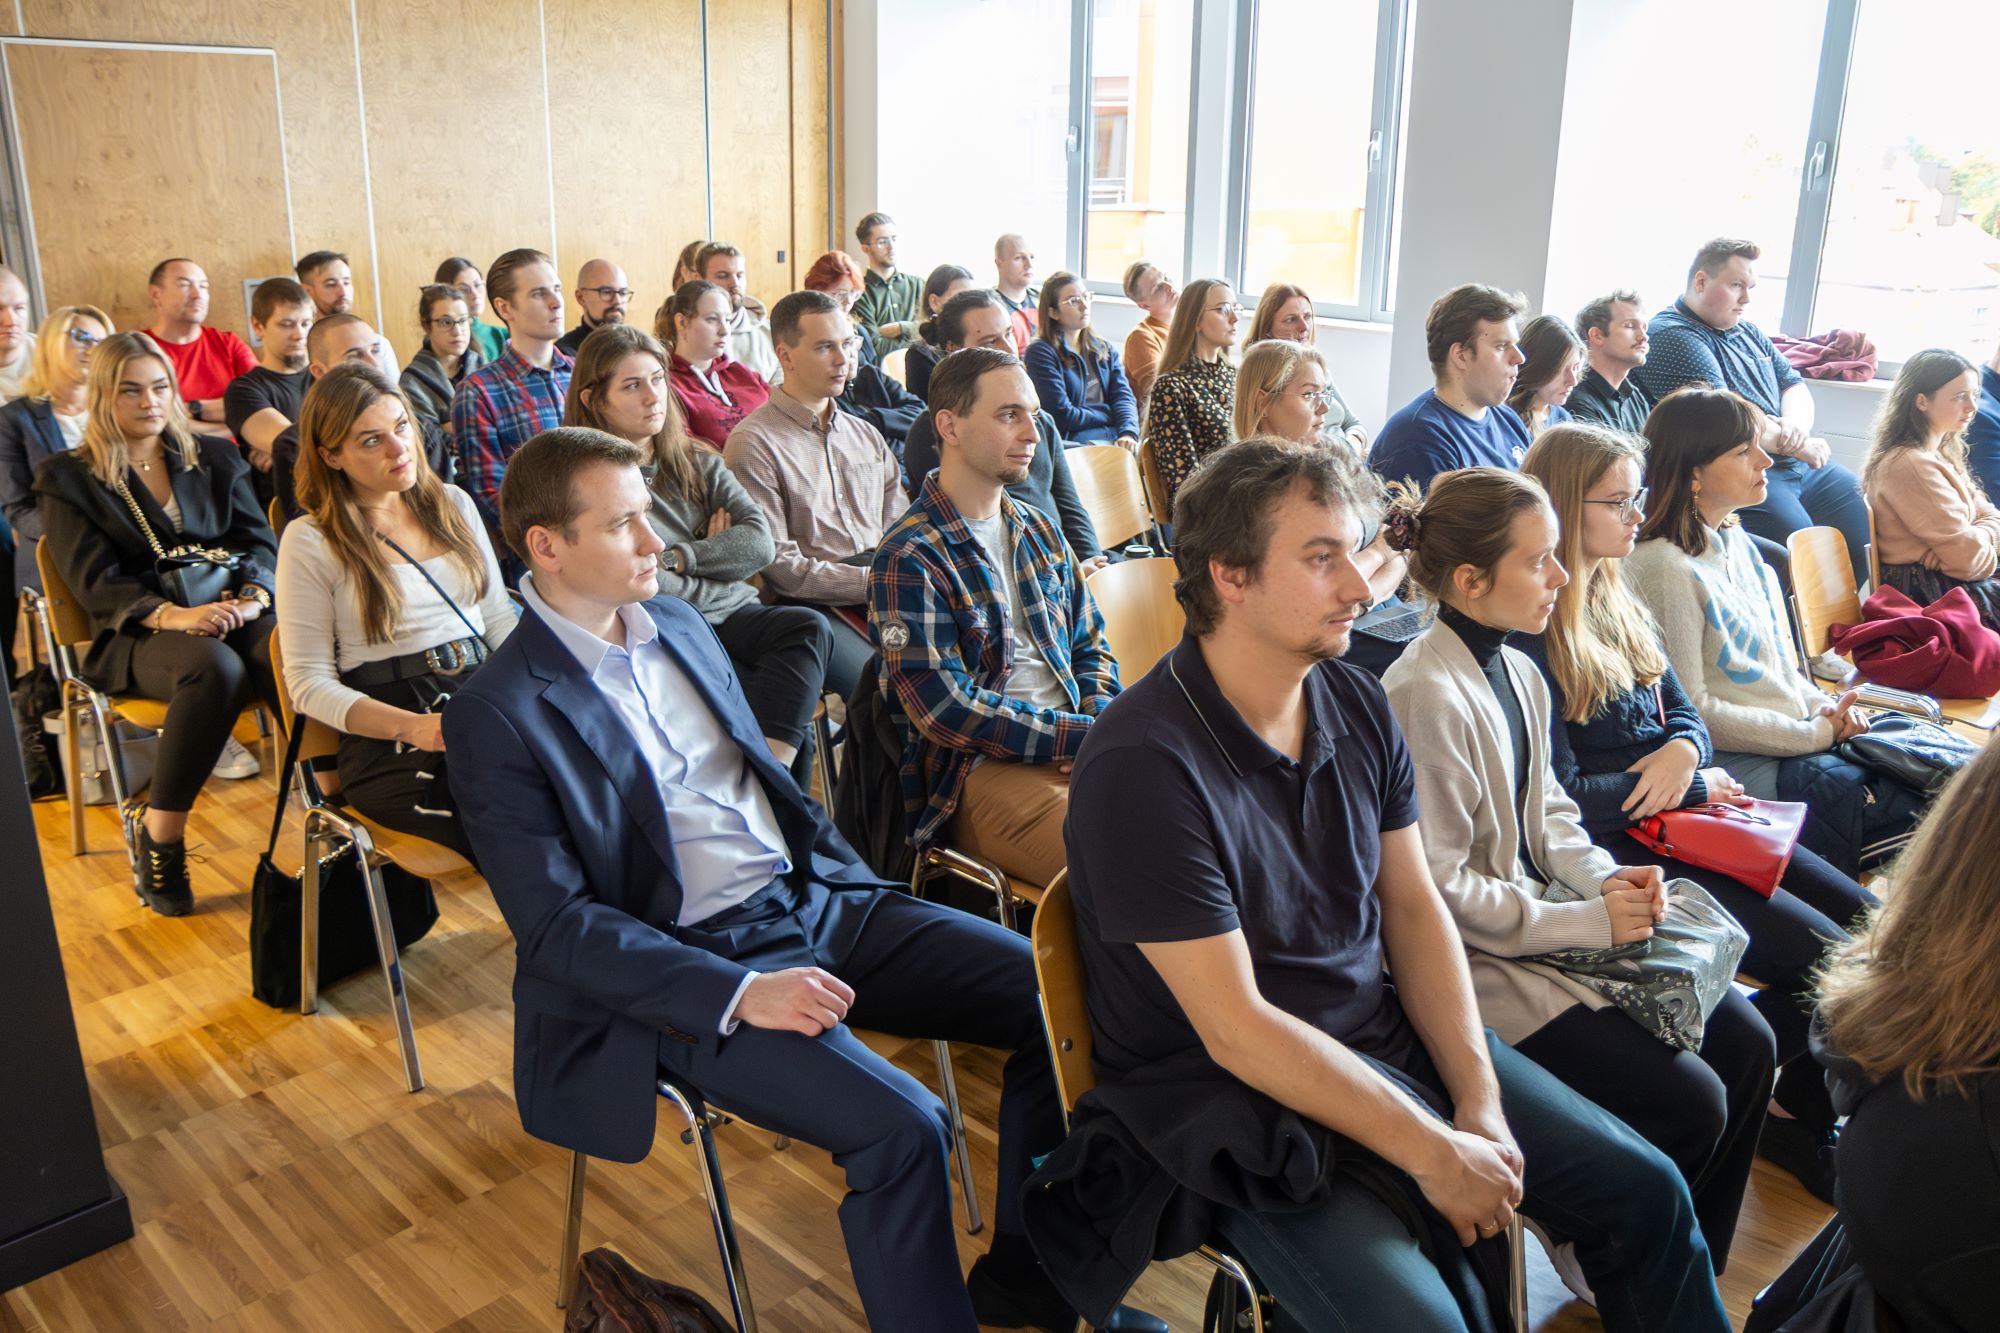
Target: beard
<point>1012,476</point>
<point>293,362</point>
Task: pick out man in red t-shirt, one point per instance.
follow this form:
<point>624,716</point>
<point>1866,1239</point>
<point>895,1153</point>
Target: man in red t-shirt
<point>205,359</point>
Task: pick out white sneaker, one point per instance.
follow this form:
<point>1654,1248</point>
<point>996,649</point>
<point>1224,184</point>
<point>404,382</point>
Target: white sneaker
<point>1562,1258</point>
<point>236,762</point>
<point>1832,667</point>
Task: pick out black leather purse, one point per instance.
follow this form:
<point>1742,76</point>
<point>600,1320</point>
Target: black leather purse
<point>188,575</point>
<point>1918,754</point>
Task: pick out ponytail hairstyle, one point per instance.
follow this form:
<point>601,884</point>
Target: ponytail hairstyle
<point>1601,642</point>
<point>685,300</point>
<point>935,288</point>
<point>1466,519</point>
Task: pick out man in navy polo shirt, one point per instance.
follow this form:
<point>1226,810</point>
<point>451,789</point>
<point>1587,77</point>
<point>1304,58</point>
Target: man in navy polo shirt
<point>1472,333</point>
<point>1704,339</point>
<point>1982,436</point>
<point>1275,884</point>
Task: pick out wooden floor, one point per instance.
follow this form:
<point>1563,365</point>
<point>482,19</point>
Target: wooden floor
<point>282,1178</point>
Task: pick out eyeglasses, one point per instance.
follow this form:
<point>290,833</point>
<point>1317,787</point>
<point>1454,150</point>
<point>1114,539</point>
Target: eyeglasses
<point>1081,301</point>
<point>609,293</point>
<point>1324,397</point>
<point>84,338</point>
<point>450,325</point>
<point>1226,309</point>
<point>1631,507</point>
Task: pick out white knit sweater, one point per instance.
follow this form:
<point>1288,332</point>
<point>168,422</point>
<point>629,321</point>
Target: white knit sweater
<point>1730,639</point>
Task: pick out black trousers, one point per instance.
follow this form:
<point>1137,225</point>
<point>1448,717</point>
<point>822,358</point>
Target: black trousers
<point>205,684</point>
<point>404,789</point>
<point>918,970</point>
<point>847,652</point>
<point>1790,932</point>
<point>1703,1111</point>
<point>780,653</point>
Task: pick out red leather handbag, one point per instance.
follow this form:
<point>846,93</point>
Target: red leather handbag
<point>1751,843</point>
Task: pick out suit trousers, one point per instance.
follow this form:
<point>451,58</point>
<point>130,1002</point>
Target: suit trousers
<point>918,970</point>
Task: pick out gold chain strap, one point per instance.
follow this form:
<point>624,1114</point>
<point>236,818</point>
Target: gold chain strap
<point>158,552</point>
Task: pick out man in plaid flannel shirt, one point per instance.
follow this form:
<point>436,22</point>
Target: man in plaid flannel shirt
<point>993,653</point>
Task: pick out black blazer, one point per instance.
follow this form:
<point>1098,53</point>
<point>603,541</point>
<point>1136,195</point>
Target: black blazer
<point>107,560</point>
<point>29,437</point>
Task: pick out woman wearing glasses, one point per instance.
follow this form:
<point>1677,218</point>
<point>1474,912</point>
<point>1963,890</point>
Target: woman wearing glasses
<point>1192,410</point>
<point>1628,743</point>
<point>1285,311</point>
<point>462,273</point>
<point>448,356</point>
<point>46,420</point>
<point>1076,374</point>
<point>714,392</point>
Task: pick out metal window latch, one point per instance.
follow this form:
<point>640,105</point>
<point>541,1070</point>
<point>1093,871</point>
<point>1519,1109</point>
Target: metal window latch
<point>1374,149</point>
<point>1816,168</point>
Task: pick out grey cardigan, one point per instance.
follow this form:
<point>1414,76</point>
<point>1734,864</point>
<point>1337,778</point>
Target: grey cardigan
<point>1472,837</point>
<point>718,568</point>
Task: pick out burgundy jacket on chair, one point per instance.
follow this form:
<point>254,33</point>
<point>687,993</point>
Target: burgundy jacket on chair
<point>1941,649</point>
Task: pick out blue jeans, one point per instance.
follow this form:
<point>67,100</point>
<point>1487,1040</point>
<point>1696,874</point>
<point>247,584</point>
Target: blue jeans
<point>1802,497</point>
<point>1350,1264</point>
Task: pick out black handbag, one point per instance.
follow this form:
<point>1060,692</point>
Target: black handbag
<point>346,930</point>
<point>1918,754</point>
<point>188,575</point>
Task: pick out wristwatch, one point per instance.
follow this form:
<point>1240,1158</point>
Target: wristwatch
<point>252,592</point>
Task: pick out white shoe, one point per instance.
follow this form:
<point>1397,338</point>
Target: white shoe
<point>1832,667</point>
<point>236,762</point>
<point>1562,1258</point>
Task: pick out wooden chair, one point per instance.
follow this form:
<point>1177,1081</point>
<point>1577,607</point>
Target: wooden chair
<point>1112,492</point>
<point>65,624</point>
<point>1066,1022</point>
<point>325,823</point>
<point>1142,618</point>
<point>1156,483</point>
<point>895,365</point>
<point>1824,595</point>
<point>1874,555</point>
<point>274,513</point>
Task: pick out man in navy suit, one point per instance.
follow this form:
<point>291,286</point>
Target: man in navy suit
<point>677,902</point>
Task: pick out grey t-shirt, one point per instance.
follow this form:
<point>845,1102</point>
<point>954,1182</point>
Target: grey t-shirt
<point>1031,681</point>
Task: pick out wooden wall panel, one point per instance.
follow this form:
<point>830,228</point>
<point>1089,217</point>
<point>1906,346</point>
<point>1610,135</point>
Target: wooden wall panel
<point>809,131</point>
<point>750,113</point>
<point>466,173</point>
<point>108,145</point>
<point>625,111</point>
<point>314,40</point>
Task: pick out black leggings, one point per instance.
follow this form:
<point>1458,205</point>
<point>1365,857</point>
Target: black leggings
<point>1790,931</point>
<point>1703,1111</point>
<point>398,787</point>
<point>206,684</point>
<point>780,653</point>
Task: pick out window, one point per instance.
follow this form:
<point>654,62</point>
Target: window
<point>1141,55</point>
<point>1912,240</point>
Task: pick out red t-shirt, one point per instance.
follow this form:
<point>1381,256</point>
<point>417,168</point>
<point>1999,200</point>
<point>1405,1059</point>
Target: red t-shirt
<point>710,418</point>
<point>206,365</point>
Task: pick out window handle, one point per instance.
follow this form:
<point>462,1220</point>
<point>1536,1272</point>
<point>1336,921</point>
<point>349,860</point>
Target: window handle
<point>1374,149</point>
<point>1072,141</point>
<point>1816,168</point>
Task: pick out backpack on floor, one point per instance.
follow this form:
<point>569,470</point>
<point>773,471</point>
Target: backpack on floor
<point>614,1297</point>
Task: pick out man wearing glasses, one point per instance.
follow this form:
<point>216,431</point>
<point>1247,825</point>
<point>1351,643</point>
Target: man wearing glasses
<point>604,294</point>
<point>1472,334</point>
<point>886,309</point>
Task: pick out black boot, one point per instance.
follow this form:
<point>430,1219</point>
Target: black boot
<point>162,873</point>
<point>1807,1151</point>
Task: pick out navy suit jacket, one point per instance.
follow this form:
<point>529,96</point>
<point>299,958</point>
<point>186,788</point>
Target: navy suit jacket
<point>29,437</point>
<point>573,838</point>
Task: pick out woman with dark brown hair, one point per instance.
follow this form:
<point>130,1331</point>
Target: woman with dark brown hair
<point>1552,366</point>
<point>1077,376</point>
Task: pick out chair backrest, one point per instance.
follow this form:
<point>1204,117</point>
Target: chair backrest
<point>1874,554</point>
<point>320,740</point>
<point>1059,972</point>
<point>1142,618</point>
<point>275,512</point>
<point>1156,482</point>
<point>895,366</point>
<point>1823,591</point>
<point>66,615</point>
<point>1111,490</point>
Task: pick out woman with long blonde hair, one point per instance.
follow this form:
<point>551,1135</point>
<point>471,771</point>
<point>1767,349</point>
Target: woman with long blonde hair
<point>390,598</point>
<point>1285,313</point>
<point>1910,1010</point>
<point>1192,409</point>
<point>46,420</point>
<point>142,486</point>
<point>1628,744</point>
<point>717,536</point>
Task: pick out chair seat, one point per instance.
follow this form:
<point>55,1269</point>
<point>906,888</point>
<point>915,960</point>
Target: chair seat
<point>420,856</point>
<point>1026,892</point>
<point>140,712</point>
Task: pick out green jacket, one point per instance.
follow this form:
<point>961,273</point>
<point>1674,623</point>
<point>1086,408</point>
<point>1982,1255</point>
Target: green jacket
<point>889,301</point>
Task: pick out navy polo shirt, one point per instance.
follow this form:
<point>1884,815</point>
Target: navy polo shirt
<point>1623,408</point>
<point>1184,824</point>
<point>1982,434</point>
<point>1685,350</point>
<point>1425,438</point>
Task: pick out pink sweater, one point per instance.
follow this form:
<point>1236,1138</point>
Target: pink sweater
<point>1929,511</point>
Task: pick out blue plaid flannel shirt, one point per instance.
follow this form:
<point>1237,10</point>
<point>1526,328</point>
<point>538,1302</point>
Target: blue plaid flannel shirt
<point>497,409</point>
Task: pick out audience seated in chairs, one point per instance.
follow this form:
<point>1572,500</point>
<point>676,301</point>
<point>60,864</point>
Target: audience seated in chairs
<point>1613,329</point>
<point>979,318</point>
<point>871,395</point>
<point>1235,959</point>
<point>1482,547</point>
<point>751,338</point>
<point>205,360</point>
<point>1728,634</point>
<point>327,277</point>
<point>827,482</point>
<point>1704,339</point>
<point>715,391</point>
<point>140,484</point>
<point>716,536</point>
<point>1153,292</point>
<point>1194,399</point>
<point>1472,335</point>
<point>1935,529</point>
<point>1285,311</point>
<point>945,281</point>
<point>489,339</point>
<point>1628,744</point>
<point>1911,1034</point>
<point>46,419</point>
<point>1552,358</point>
<point>261,402</point>
<point>345,340</point>
<point>389,596</point>
<point>447,356</point>
<point>676,902</point>
<point>603,293</point>
<point>1076,374</point>
<point>885,310</point>
<point>993,653</point>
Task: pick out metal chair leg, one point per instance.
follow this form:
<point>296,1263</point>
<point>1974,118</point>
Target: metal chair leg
<point>572,1232</point>
<point>702,1136</point>
<point>974,1223</point>
<point>73,762</point>
<point>1517,1276</point>
<point>315,838</point>
<point>943,861</point>
<point>114,769</point>
<point>392,963</point>
<point>1253,1299</point>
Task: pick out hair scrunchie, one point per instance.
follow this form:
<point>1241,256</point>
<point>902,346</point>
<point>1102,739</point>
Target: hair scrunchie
<point>1401,527</point>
